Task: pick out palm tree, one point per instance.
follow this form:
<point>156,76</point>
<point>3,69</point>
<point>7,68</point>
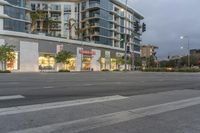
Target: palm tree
<point>70,24</point>
<point>35,16</point>
<point>90,30</point>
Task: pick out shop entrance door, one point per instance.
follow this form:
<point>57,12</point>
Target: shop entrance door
<point>86,63</point>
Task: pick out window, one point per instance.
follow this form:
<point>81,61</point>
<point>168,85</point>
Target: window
<point>67,8</point>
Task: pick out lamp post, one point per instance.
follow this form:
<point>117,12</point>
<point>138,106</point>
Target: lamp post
<point>188,47</point>
<point>125,39</point>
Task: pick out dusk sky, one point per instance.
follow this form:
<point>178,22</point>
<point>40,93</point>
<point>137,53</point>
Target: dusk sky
<point>167,20</point>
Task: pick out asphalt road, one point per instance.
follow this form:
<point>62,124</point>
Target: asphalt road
<point>100,102</point>
<point>51,87</point>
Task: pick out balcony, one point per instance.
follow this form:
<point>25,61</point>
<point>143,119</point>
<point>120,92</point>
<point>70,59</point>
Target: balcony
<point>56,18</point>
<point>95,24</point>
<point>94,15</point>
<point>91,6</point>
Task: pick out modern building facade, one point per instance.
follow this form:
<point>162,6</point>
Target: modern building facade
<point>15,15</point>
<point>148,50</point>
<point>195,51</point>
<point>101,25</point>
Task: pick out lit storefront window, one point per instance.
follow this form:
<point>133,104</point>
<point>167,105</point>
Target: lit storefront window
<point>113,64</point>
<point>103,63</point>
<point>47,62</point>
<point>13,65</point>
<point>87,63</point>
<point>71,65</point>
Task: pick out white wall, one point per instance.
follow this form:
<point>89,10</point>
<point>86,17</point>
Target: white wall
<point>2,41</point>
<point>29,57</point>
<point>95,64</point>
<point>78,59</point>
<point>1,19</point>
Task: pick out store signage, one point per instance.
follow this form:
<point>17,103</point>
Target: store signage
<point>87,52</point>
<point>59,48</point>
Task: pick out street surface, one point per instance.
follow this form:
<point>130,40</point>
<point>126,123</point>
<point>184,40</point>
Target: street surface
<point>100,102</point>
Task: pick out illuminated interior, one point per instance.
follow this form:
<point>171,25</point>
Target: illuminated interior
<point>13,65</point>
<point>113,64</point>
<point>71,65</point>
<point>86,63</point>
<point>47,62</point>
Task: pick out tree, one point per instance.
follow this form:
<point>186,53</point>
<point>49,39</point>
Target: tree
<point>63,57</point>
<point>138,61</point>
<point>90,30</point>
<point>6,54</point>
<point>35,16</point>
<point>70,24</point>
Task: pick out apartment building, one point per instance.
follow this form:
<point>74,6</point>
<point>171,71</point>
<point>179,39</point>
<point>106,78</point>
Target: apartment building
<point>15,15</point>
<point>59,12</point>
<point>96,40</point>
<point>148,50</point>
<point>111,23</point>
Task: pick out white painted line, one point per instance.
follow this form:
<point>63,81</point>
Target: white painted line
<point>48,87</point>
<point>39,107</point>
<point>113,118</point>
<point>11,97</point>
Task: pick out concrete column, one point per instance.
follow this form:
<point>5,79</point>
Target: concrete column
<point>78,59</point>
<point>29,57</point>
<point>108,60</point>
<point>2,41</point>
<point>1,19</point>
<point>95,64</point>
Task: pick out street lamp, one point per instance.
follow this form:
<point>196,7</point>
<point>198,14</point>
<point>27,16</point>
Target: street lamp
<point>188,39</point>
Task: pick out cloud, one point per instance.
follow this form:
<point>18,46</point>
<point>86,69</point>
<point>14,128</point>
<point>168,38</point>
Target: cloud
<point>167,20</point>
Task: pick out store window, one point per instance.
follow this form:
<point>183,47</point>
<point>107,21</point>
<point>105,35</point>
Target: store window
<point>86,63</point>
<point>113,64</point>
<point>71,65</point>
<point>13,65</point>
<point>47,62</point>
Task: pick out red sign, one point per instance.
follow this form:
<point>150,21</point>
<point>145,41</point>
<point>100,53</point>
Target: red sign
<point>87,52</point>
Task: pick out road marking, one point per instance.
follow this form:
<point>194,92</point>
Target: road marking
<point>46,106</point>
<point>48,87</point>
<point>112,118</point>
<point>11,97</point>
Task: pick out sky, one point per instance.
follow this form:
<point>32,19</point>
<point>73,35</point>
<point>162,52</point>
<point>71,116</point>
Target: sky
<point>166,21</point>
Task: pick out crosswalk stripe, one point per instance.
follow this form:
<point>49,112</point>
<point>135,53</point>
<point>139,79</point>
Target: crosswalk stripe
<point>45,106</point>
<point>11,97</point>
<point>112,118</point>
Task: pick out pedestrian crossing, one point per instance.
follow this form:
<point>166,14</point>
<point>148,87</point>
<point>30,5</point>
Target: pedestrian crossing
<point>114,110</point>
<point>11,97</point>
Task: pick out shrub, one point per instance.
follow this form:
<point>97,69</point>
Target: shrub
<point>105,70</point>
<point>6,71</point>
<point>116,70</point>
<point>171,70</point>
<point>64,71</point>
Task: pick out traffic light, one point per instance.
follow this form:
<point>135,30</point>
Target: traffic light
<point>143,27</point>
<point>128,50</point>
<point>136,26</point>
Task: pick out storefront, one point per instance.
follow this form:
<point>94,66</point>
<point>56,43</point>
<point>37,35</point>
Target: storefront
<point>13,65</point>
<point>47,62</point>
<point>39,55</point>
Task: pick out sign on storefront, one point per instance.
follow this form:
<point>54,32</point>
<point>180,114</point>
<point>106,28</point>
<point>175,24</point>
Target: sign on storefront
<point>87,52</point>
<point>59,48</point>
